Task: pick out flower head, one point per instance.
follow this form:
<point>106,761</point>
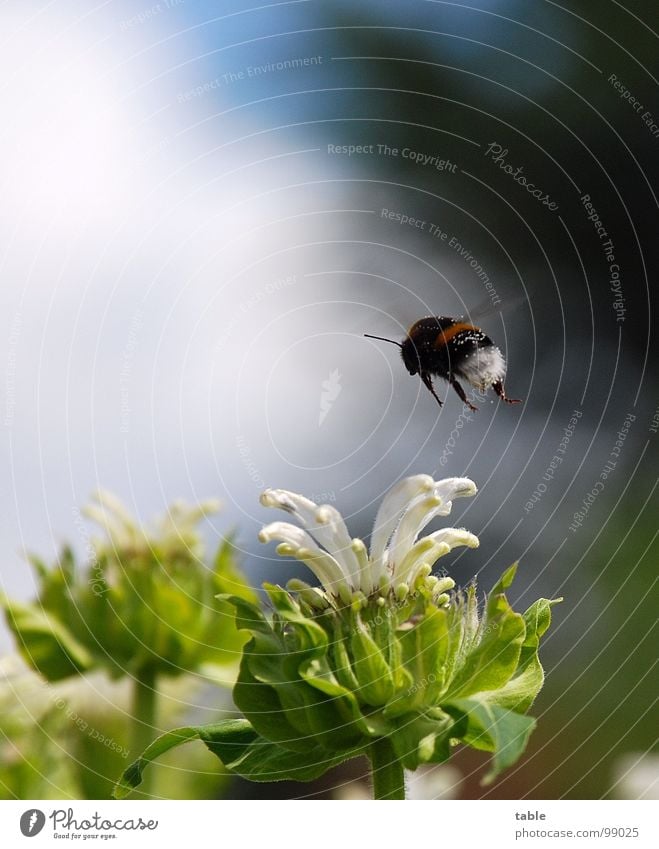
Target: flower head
<point>383,659</point>
<point>144,598</point>
<point>174,536</point>
<point>398,561</point>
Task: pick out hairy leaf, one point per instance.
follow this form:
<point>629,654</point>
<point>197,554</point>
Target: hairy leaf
<point>505,733</point>
<point>241,750</point>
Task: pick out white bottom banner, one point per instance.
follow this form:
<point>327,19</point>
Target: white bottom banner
<point>289,825</point>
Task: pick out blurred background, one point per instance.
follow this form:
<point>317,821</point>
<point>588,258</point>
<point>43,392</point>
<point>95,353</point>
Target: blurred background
<point>205,207</point>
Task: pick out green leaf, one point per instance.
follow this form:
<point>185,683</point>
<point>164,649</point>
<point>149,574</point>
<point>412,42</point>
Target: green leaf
<point>286,686</point>
<point>537,620</point>
<point>493,729</point>
<point>259,701</point>
<point>248,614</point>
<point>318,673</point>
<point>421,739</point>
<point>261,760</point>
<point>241,750</point>
<point>287,663</point>
<point>491,664</point>
<point>308,637</point>
<point>520,692</point>
<point>342,664</point>
<point>424,648</point>
<point>132,775</point>
<point>376,683</point>
<point>45,644</point>
<point>504,582</point>
<point>229,579</point>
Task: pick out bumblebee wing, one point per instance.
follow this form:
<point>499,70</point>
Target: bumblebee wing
<point>490,306</point>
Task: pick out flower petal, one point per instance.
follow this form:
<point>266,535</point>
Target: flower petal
<point>324,523</point>
<point>285,532</point>
<point>413,521</point>
<point>453,537</point>
<point>332,533</point>
<point>420,512</point>
<point>388,516</point>
<point>429,549</point>
<point>451,488</point>
<point>300,545</point>
<point>426,550</point>
<point>398,562</point>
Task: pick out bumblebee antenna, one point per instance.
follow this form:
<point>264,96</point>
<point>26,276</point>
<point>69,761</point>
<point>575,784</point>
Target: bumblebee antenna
<point>382,339</point>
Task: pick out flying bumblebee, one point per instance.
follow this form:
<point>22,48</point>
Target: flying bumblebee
<point>452,348</point>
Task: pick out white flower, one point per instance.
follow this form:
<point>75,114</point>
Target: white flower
<point>177,528</point>
<point>397,560</point>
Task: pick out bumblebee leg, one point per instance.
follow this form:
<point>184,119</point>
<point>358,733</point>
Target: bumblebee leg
<point>498,388</point>
<point>454,383</point>
<point>427,379</point>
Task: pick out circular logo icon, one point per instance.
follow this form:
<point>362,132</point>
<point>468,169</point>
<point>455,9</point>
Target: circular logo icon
<point>32,822</point>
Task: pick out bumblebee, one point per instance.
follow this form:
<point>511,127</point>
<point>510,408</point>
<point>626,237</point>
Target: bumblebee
<point>452,348</point>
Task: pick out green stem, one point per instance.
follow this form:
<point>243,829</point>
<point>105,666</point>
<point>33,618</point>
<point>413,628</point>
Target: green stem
<point>388,777</point>
<point>144,717</point>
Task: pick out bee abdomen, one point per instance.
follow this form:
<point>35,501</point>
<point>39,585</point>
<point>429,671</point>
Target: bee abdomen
<point>482,367</point>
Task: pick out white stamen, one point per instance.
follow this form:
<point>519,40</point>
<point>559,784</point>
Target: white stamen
<point>365,577</point>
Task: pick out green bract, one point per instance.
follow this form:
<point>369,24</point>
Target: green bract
<point>144,600</point>
<point>317,689</point>
<point>423,675</point>
<point>382,659</point>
